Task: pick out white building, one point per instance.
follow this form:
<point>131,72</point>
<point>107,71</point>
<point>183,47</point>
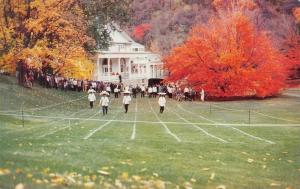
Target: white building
<point>129,59</point>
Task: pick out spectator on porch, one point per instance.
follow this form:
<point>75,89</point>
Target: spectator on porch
<point>150,91</point>
<point>116,91</point>
<point>202,94</point>
<point>143,91</point>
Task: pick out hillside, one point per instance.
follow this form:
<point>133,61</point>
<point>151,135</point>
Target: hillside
<point>162,25</point>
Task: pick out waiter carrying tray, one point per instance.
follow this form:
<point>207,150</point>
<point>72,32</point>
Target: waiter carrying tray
<point>126,100</point>
<point>91,97</point>
<point>104,101</point>
<point>162,102</point>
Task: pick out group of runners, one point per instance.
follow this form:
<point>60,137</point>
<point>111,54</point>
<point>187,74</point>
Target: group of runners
<point>104,99</point>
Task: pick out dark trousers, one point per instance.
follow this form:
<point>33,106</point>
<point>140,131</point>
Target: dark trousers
<point>142,94</point>
<point>186,96</point>
<point>91,104</point>
<point>161,110</point>
<point>104,109</point>
<point>116,95</point>
<point>126,107</point>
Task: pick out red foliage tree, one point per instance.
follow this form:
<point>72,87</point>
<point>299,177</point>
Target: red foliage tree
<point>293,55</point>
<point>229,57</point>
<point>140,31</point>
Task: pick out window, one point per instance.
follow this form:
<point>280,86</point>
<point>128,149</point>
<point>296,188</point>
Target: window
<point>121,47</point>
<point>105,65</point>
<point>123,64</point>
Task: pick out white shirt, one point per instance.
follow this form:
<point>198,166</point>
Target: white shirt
<point>94,84</point>
<point>186,90</point>
<point>150,90</point>
<point>142,88</point>
<point>104,101</point>
<point>154,89</point>
<point>116,90</point>
<point>162,101</point>
<point>126,99</point>
<point>169,90</point>
<point>91,96</point>
<point>108,88</point>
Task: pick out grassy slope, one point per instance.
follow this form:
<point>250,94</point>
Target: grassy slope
<point>153,151</point>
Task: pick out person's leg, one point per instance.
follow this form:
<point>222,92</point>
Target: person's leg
<point>103,110</point>
<point>91,104</point>
<point>162,109</point>
<point>106,109</point>
<point>126,108</point>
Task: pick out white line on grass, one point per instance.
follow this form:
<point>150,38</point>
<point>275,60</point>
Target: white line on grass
<point>244,110</point>
<point>134,123</point>
<point>87,119</point>
<point>44,124</point>
<point>198,128</point>
<point>99,128</point>
<point>164,125</point>
<point>43,107</point>
<point>238,130</point>
<point>166,122</point>
<point>266,115</point>
<point>63,128</point>
<point>290,94</point>
<point>225,108</point>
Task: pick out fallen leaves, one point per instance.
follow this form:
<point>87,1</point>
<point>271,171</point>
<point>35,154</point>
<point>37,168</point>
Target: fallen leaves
<point>105,173</point>
<point>205,169</point>
<point>89,185</point>
<point>4,171</point>
<point>274,184</point>
<point>290,161</point>
<point>221,187</point>
<point>19,186</point>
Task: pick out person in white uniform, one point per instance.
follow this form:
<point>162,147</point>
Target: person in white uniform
<point>202,94</point>
<point>104,101</point>
<point>116,91</point>
<point>162,102</point>
<point>91,97</point>
<point>143,89</point>
<point>150,91</point>
<point>126,100</point>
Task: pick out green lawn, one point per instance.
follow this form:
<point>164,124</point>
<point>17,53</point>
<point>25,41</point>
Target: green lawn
<point>64,144</point>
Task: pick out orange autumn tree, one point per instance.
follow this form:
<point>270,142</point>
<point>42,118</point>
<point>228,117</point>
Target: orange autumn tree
<point>228,57</point>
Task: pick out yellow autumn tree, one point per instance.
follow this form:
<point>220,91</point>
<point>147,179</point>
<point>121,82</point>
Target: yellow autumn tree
<point>38,33</point>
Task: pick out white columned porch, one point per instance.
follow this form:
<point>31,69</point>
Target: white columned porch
<point>98,68</point>
<point>119,66</point>
<point>129,68</point>
<point>108,67</point>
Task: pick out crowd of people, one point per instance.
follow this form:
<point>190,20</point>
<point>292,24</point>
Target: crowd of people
<point>109,89</point>
<point>151,91</point>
